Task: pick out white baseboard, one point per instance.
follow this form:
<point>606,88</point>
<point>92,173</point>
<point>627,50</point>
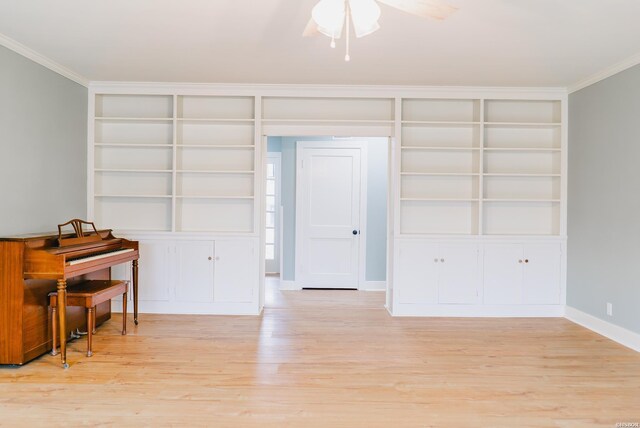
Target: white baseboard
<point>368,286</point>
<point>374,286</point>
<point>288,285</point>
<point>189,308</point>
<point>497,311</point>
<point>611,331</point>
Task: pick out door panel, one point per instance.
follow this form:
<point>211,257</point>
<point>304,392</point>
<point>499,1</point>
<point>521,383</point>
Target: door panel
<point>332,255</point>
<point>542,274</point>
<point>458,279</point>
<point>195,271</point>
<point>330,211</point>
<point>503,274</point>
<point>235,273</point>
<point>417,273</point>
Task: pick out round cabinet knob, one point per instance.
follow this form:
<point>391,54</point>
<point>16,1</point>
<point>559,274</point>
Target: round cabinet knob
<point>441,260</point>
<point>526,260</point>
<point>435,260</point>
<point>519,261</point>
<point>217,258</point>
<point>210,258</point>
<point>355,232</point>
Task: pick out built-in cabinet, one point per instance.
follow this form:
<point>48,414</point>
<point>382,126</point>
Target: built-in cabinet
<point>522,274</point>
<point>218,275</point>
<point>477,189</point>
<point>475,278</point>
<point>437,273</point>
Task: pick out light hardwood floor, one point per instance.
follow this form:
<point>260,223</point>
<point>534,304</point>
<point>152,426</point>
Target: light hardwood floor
<point>330,359</point>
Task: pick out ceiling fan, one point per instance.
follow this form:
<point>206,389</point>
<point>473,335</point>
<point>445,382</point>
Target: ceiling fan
<point>329,17</point>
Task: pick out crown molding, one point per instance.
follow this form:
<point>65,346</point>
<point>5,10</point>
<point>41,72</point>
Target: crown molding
<point>316,90</point>
<point>607,72</point>
<point>42,60</point>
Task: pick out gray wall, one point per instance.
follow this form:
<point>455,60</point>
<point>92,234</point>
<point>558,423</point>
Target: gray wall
<point>604,199</point>
<point>43,139</point>
<point>376,203</point>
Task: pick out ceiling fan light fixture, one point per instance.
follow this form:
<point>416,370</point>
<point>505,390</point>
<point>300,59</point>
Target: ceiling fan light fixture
<point>329,15</point>
<point>365,15</point>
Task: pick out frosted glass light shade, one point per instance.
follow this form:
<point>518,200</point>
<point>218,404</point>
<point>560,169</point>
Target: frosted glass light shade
<point>329,15</point>
<point>365,15</point>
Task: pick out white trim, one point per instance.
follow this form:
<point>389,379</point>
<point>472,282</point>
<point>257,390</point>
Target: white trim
<point>38,58</point>
<point>286,285</point>
<point>324,91</point>
<point>374,286</point>
<point>364,176</point>
<point>611,331</point>
<point>603,74</point>
<point>511,311</point>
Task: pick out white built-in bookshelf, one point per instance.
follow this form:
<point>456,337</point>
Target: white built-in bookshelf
<point>480,167</point>
<point>477,182</point>
<point>175,163</point>
<point>186,163</point>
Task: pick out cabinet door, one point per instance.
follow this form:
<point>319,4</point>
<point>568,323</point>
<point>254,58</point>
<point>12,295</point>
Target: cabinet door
<point>195,271</point>
<point>503,274</point>
<point>154,271</point>
<point>236,276</point>
<point>417,273</point>
<point>541,283</point>
<point>458,279</point>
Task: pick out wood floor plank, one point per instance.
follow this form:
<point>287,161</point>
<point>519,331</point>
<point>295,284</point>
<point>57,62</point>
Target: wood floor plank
<point>330,359</point>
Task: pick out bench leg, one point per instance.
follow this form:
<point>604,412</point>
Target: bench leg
<point>90,323</point>
<point>54,332</point>
<point>124,313</point>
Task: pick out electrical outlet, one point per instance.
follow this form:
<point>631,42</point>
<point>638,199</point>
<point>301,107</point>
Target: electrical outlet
<point>609,309</point>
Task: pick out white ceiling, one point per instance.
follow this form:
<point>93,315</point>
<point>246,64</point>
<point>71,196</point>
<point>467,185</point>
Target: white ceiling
<point>486,43</point>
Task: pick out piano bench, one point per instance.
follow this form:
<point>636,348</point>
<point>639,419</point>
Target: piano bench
<point>88,294</point>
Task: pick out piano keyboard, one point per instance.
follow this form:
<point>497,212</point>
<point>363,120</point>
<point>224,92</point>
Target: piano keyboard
<point>98,256</point>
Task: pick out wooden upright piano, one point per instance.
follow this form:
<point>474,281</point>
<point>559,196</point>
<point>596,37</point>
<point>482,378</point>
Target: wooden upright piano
<point>32,266</point>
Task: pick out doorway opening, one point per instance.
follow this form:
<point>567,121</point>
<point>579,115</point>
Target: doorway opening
<point>326,212</point>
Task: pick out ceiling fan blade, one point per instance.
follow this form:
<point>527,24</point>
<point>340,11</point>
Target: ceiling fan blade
<point>435,9</point>
<point>311,29</point>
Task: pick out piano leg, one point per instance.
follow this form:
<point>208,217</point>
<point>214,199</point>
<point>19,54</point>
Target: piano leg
<point>62,320</point>
<point>54,332</point>
<point>135,292</point>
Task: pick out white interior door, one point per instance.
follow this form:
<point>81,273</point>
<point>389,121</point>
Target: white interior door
<point>328,222</point>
